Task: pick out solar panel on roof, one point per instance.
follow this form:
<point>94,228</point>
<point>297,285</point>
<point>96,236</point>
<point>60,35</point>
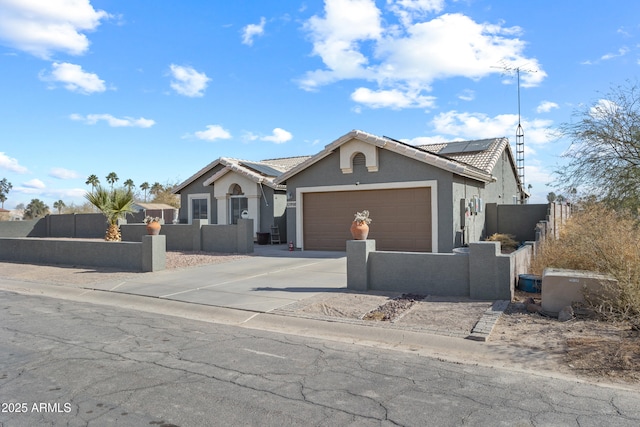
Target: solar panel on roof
<point>454,147</point>
<point>478,145</point>
<point>262,169</point>
<point>466,146</point>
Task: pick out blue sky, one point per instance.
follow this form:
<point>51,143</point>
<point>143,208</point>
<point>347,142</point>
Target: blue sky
<point>154,91</point>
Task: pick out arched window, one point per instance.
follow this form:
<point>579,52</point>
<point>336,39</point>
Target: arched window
<point>236,190</point>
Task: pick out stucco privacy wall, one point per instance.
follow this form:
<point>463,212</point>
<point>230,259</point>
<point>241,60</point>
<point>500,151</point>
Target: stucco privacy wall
<point>147,255</point>
<point>392,168</point>
<point>27,228</point>
<point>483,274</point>
<point>518,220</point>
<point>65,225</point>
<point>199,236</point>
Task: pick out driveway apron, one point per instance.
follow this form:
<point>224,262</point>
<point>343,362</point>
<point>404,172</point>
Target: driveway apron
<point>272,278</point>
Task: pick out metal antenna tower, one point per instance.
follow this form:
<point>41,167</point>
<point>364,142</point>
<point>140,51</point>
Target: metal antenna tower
<point>519,133</point>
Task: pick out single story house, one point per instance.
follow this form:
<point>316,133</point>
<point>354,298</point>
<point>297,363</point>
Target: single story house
<point>226,188</point>
<point>427,198</point>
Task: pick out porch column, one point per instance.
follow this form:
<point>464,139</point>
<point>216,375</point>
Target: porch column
<point>253,206</point>
<point>223,208</point>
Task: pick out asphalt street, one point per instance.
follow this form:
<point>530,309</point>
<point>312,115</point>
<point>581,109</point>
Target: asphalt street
<point>73,363</point>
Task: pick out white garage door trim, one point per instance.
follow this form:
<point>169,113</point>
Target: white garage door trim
<point>433,184</point>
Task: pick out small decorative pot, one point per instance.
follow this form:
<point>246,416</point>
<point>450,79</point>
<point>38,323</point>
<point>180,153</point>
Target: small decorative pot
<point>359,231</point>
<point>153,228</point>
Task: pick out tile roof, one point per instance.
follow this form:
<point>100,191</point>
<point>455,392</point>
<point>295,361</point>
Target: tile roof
<point>473,164</point>
<point>477,165</point>
<point>484,160</point>
<point>248,168</point>
<point>286,163</point>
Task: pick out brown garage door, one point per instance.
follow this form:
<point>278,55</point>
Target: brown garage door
<point>401,218</point>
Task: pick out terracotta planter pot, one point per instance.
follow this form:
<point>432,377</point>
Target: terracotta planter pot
<point>359,231</point>
<point>153,228</point>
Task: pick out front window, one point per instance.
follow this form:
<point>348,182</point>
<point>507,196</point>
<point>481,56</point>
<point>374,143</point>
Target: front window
<point>199,209</point>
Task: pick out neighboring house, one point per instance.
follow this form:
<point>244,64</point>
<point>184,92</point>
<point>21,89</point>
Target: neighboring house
<point>427,199</point>
<point>16,215</point>
<point>161,210</point>
<point>225,188</point>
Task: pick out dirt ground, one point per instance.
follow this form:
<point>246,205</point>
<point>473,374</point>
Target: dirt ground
<point>583,347</point>
<point>444,316</point>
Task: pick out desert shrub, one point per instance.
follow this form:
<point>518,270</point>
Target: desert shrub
<point>602,240</point>
<point>507,241</point>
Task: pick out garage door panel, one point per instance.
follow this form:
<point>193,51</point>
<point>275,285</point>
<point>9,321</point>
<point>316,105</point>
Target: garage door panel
<point>401,218</point>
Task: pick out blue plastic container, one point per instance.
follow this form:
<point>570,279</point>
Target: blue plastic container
<point>530,283</point>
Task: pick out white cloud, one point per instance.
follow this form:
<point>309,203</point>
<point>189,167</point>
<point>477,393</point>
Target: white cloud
<point>279,136</point>
<point>336,39</point>
<point>394,98</point>
<point>44,27</point>
<point>467,95</point>
<point>603,109</point>
<point>11,164</point>
<point>251,31</point>
<point>62,173</point>
<point>621,52</point>
<point>410,10</point>
<point>453,45</point>
<point>250,136</point>
<point>75,193</point>
<point>479,125</point>
<point>74,78</point>
<point>92,119</point>
<point>34,183</point>
<point>212,133</point>
<point>537,176</point>
<point>546,106</point>
<point>354,43</point>
<point>187,81</point>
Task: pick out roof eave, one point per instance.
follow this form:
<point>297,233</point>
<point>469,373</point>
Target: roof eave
<point>196,175</point>
<point>232,167</point>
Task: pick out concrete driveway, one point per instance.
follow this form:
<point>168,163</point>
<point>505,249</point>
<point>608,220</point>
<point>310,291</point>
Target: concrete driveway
<point>272,278</point>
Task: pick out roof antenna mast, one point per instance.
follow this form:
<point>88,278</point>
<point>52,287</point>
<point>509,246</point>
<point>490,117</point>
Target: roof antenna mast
<point>519,133</point>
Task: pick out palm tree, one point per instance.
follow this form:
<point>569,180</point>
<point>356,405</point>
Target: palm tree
<point>112,178</point>
<point>59,205</point>
<point>93,181</point>
<point>156,188</point>
<point>114,204</point>
<point>3,199</point>
<point>144,187</point>
<point>129,184</point>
